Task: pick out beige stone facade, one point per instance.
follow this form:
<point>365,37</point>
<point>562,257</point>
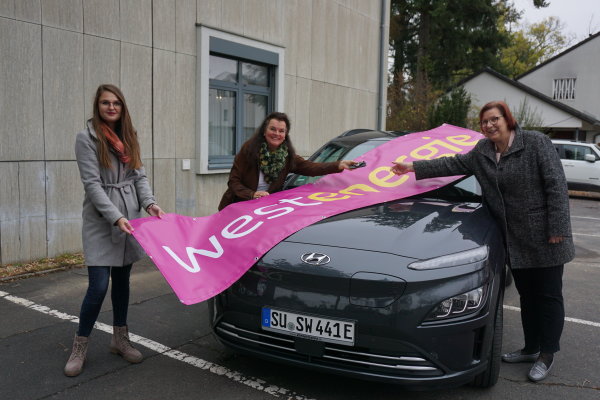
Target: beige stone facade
<point>54,54</point>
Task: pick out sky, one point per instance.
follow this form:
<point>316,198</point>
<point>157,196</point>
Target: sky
<point>580,17</point>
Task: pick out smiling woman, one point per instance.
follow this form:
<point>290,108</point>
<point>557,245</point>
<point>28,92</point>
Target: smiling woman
<point>378,251</point>
<point>525,188</point>
<point>264,161</point>
<point>116,190</point>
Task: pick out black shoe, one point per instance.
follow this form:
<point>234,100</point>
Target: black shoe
<point>539,371</point>
<point>517,356</point>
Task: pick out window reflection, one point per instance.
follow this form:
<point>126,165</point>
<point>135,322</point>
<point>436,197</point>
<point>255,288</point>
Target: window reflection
<point>239,100</point>
<point>221,124</point>
<point>576,152</point>
<point>223,69</point>
<point>253,74</point>
<point>255,110</point>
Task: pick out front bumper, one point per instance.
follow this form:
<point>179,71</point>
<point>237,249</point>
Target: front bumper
<point>376,358</point>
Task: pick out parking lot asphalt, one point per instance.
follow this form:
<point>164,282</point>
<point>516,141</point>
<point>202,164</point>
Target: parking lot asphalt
<point>182,359</point>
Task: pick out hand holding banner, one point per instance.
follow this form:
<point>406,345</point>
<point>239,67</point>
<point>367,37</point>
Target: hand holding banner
<point>200,257</point>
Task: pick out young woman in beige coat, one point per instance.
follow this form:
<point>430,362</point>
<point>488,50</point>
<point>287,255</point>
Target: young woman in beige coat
<point>116,190</point>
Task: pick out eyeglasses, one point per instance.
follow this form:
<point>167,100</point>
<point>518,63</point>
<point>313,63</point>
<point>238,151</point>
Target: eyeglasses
<point>115,104</point>
<point>275,130</point>
<point>493,120</point>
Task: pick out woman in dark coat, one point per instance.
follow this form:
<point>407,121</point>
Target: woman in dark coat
<point>264,161</point>
<point>524,186</point>
<point>116,190</point>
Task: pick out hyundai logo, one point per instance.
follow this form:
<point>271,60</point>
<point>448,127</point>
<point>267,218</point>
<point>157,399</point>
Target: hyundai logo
<point>315,258</point>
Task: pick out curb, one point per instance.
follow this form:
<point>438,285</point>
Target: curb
<point>580,193</point>
<point>39,273</point>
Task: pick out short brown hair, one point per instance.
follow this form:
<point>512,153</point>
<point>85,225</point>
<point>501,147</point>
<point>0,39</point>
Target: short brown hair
<point>504,110</point>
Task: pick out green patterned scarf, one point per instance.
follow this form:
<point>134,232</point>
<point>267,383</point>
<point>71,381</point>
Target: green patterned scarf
<point>271,162</point>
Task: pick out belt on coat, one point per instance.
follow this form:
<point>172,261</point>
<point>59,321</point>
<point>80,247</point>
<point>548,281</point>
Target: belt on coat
<point>124,187</point>
<point>120,185</point>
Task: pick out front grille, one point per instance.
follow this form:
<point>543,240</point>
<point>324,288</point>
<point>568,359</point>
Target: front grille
<point>338,356</point>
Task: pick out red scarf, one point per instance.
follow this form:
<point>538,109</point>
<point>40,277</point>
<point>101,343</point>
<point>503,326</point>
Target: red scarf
<point>115,143</point>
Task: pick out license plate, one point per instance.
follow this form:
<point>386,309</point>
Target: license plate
<point>309,326</point>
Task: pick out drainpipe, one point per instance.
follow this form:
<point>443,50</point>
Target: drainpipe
<point>383,57</point>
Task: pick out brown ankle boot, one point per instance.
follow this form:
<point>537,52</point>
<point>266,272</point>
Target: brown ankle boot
<point>120,344</point>
<point>77,359</point>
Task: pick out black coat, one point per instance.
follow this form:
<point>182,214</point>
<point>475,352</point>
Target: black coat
<point>526,191</point>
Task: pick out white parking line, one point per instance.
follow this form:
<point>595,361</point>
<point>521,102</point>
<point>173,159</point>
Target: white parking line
<point>577,216</point>
<point>216,369</point>
<point>576,320</point>
<point>585,234</point>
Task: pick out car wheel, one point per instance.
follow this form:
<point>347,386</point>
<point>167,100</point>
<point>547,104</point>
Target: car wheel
<point>489,377</point>
<point>508,278</point>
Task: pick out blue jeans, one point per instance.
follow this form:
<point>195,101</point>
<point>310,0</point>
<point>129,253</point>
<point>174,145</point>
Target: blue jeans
<point>98,286</point>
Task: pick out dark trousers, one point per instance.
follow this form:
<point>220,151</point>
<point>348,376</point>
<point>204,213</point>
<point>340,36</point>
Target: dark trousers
<point>97,287</point>
<point>542,308</point>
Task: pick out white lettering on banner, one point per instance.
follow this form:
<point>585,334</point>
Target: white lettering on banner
<point>191,254</point>
<point>234,233</point>
<point>261,211</point>
<point>293,201</point>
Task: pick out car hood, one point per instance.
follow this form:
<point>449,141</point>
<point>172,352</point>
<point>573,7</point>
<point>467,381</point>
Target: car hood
<point>415,228</point>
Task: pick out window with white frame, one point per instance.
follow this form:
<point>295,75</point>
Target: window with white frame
<point>563,89</point>
<point>241,81</point>
<point>240,97</point>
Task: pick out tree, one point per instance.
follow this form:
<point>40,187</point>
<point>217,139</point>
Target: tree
<point>408,105</point>
<point>452,108</point>
<point>444,40</point>
<point>532,45</point>
<point>528,117</point>
<point>435,44</point>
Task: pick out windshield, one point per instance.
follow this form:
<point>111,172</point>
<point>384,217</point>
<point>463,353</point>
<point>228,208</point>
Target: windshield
<point>333,152</point>
<point>465,189</point>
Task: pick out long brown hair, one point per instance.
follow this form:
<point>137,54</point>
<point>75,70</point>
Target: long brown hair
<point>258,137</point>
<point>124,125</point>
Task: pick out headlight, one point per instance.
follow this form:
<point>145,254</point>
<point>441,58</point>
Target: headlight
<point>452,260</point>
<point>457,306</point>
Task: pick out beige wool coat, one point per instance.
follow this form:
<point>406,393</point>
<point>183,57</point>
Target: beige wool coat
<point>110,193</point>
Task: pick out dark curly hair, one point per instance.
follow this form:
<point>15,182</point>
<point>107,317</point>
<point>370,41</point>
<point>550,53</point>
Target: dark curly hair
<point>258,137</point>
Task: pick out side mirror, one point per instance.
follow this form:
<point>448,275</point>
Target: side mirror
<point>590,158</point>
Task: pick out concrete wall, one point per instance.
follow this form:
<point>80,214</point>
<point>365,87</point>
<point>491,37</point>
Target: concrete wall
<point>54,53</point>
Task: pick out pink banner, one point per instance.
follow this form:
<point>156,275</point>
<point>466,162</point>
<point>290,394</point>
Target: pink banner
<point>200,257</point>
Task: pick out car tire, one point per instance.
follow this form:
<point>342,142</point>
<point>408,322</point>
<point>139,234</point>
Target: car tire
<point>489,377</point>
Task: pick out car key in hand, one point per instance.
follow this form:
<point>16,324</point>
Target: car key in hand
<point>358,165</point>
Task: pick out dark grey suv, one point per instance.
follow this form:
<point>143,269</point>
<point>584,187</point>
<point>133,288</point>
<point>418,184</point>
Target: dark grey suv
<point>409,291</point>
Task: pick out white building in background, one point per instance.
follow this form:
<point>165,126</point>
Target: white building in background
<point>563,91</point>
<point>198,75</point>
